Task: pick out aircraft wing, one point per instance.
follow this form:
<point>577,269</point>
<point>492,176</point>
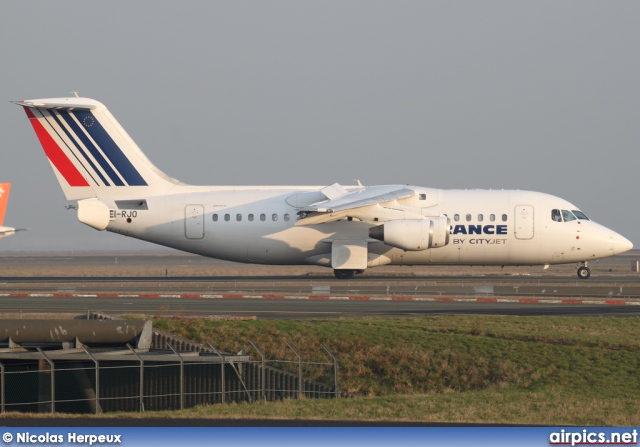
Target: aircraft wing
<point>338,205</point>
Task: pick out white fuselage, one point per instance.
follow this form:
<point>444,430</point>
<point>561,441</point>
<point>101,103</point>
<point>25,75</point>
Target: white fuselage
<point>258,226</point>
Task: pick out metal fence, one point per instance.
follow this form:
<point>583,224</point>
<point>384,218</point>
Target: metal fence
<point>95,385</point>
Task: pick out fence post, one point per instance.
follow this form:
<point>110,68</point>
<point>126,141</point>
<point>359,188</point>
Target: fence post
<point>53,380</point>
<point>262,372</point>
<point>181,376</point>
<point>222,368</point>
<point>335,368</point>
<point>300,394</point>
<point>2,410</point>
<point>97,398</point>
<point>141,377</point>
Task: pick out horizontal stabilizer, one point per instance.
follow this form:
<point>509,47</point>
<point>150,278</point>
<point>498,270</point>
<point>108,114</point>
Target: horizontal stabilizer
<point>57,105</point>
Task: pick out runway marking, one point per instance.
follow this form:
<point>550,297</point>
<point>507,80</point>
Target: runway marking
<point>149,295</point>
<point>468,299</point>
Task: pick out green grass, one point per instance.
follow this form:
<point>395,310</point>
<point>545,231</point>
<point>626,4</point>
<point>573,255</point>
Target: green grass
<point>484,369</point>
<point>407,356</point>
<point>481,369</point>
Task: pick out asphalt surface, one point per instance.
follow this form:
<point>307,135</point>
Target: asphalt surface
<point>536,293</point>
<point>298,309</point>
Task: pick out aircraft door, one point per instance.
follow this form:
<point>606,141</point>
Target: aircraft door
<point>524,222</point>
<point>194,221</point>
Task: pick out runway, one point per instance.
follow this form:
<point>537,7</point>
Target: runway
<point>298,309</point>
<point>43,284</point>
<point>531,287</point>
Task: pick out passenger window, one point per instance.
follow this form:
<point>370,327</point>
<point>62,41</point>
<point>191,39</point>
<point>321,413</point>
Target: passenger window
<point>492,217</point>
<point>468,217</point>
<point>422,197</point>
<point>504,217</point>
<point>480,217</point>
<point>238,217</point>
<point>263,217</point>
<point>567,216</point>
<point>215,217</point>
<point>250,217</point>
<point>555,216</point>
<point>286,217</point>
<point>227,218</point>
<point>580,215</point>
<point>456,217</point>
<point>274,217</point>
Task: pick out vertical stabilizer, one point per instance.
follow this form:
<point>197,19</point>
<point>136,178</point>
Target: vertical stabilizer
<point>90,153</point>
<point>4,199</point>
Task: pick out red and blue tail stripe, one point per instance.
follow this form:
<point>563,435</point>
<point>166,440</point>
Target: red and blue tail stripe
<point>55,154</point>
<point>130,174</point>
<point>82,137</point>
<point>93,148</point>
<point>79,149</point>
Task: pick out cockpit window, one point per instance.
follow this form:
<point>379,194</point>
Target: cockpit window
<point>567,216</point>
<point>580,215</point>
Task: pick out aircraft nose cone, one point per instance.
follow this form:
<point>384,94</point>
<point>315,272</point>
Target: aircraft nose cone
<point>621,244</point>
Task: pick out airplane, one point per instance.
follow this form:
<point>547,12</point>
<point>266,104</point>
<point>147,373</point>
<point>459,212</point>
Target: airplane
<point>346,228</point>
<point>5,188</point>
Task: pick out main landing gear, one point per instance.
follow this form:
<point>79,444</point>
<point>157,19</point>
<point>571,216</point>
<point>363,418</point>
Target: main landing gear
<point>346,273</point>
<point>584,272</point>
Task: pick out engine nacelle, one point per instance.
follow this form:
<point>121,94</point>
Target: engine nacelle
<point>414,235</point>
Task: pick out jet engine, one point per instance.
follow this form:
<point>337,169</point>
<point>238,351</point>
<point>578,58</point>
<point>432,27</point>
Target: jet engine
<point>414,235</point>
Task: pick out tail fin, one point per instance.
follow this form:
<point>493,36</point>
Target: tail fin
<point>90,153</point>
<point>5,188</point>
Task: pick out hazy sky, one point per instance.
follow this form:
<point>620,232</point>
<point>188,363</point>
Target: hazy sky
<point>538,95</point>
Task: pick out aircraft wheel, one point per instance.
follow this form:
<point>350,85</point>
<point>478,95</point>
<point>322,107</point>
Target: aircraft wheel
<point>343,273</point>
<point>584,273</point>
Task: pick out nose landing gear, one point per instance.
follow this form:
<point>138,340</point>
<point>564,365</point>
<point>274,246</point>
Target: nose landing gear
<point>584,272</point>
